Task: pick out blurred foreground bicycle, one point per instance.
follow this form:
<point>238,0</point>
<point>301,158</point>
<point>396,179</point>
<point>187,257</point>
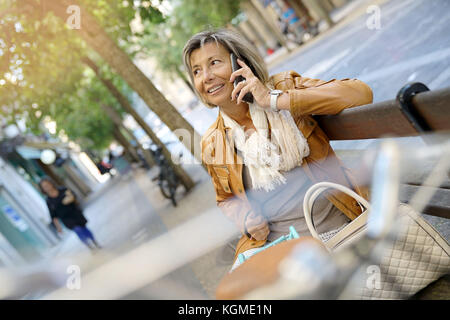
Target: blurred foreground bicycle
<point>395,252</point>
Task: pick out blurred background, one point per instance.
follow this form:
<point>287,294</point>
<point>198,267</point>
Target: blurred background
<point>91,93</point>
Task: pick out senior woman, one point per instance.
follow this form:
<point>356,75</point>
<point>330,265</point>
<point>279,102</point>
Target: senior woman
<point>263,156</point>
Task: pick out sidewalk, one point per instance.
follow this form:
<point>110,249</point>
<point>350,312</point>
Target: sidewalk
<point>130,210</point>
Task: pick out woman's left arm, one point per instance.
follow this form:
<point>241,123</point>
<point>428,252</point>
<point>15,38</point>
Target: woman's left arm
<point>305,96</point>
<point>301,95</point>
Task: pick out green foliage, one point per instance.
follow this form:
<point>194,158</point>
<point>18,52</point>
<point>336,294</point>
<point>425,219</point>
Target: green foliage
<point>151,14</point>
<point>41,73</point>
<point>113,16</point>
<point>80,114</point>
<point>165,40</point>
<point>39,62</point>
<point>196,15</point>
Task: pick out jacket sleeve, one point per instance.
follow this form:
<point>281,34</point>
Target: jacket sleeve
<point>235,208</point>
<point>318,97</point>
<point>239,211</point>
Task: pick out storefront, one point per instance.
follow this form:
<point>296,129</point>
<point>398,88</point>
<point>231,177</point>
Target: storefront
<point>18,232</point>
<point>24,220</point>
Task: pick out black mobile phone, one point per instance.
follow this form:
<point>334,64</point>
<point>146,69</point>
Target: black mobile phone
<point>235,66</point>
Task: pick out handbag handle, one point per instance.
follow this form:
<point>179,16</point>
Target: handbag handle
<point>315,190</point>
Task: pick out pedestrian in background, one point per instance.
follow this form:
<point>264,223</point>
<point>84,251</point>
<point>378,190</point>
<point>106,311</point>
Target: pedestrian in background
<point>63,206</point>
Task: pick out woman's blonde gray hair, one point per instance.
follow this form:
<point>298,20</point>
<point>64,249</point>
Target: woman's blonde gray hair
<point>233,42</point>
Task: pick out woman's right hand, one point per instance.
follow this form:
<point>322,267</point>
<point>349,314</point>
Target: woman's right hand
<point>69,198</point>
<point>257,226</point>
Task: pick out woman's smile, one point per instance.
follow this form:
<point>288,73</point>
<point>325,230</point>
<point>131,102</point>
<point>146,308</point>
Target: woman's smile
<point>216,89</point>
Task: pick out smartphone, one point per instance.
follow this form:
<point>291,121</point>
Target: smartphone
<point>235,66</point>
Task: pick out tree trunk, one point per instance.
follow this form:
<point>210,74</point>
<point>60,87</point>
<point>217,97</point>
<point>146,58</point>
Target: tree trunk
<point>130,150</point>
<point>73,176</point>
<point>98,39</point>
<point>115,117</point>
<point>318,8</point>
<point>256,6</point>
<point>303,10</point>
<point>123,101</point>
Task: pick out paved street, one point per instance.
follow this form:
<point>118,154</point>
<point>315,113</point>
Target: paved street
<point>411,45</point>
<point>130,210</point>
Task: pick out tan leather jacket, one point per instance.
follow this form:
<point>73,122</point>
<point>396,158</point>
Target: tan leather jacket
<point>307,97</point>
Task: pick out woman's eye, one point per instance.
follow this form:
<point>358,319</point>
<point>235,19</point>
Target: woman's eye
<point>215,61</point>
<point>195,72</point>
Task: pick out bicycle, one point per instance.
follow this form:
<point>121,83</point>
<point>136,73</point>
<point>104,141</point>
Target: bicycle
<point>168,180</point>
<point>311,271</point>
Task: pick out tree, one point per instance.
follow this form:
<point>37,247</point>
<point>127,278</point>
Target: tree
<point>45,79</point>
<point>35,76</point>
<point>165,40</point>
<point>94,35</point>
<point>75,106</point>
<point>123,101</point>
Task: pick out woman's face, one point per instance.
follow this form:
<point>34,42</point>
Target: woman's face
<point>211,70</point>
<point>48,188</point>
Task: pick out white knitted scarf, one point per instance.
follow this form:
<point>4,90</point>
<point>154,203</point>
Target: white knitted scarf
<point>266,158</point>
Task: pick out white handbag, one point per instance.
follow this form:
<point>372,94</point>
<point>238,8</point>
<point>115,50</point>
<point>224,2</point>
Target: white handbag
<point>415,258</point>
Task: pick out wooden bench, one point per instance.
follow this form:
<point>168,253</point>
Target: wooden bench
<point>426,112</point>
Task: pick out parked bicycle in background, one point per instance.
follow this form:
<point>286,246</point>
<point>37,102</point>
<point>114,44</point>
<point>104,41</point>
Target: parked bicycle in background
<point>168,181</point>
